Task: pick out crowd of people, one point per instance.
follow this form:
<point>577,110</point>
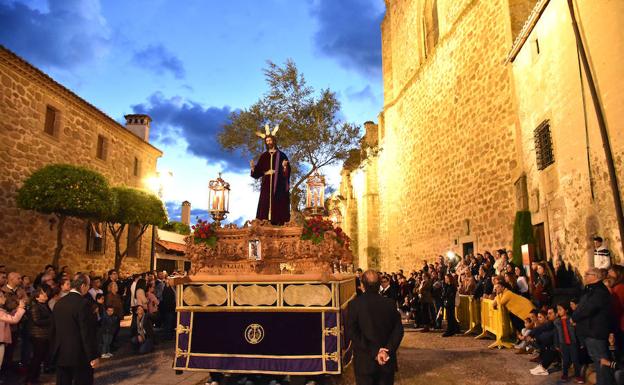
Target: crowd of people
<point>35,311</point>
<point>563,320</point>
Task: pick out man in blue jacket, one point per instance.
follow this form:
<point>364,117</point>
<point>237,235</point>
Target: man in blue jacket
<point>592,320</point>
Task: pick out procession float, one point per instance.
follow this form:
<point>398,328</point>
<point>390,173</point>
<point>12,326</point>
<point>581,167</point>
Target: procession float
<point>265,298</point>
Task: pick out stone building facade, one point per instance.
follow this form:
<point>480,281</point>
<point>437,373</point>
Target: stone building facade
<point>454,139</point>
<point>571,197</point>
<point>41,123</point>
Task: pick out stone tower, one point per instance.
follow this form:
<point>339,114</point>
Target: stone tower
<point>186,213</point>
<point>139,125</point>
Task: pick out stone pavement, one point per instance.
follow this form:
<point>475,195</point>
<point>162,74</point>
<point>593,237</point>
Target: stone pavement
<point>429,359</point>
<point>126,368</point>
<point>424,359</point>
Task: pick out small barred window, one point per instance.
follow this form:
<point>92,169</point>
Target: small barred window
<point>543,146</point>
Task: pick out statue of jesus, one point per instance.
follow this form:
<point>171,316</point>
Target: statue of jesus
<point>274,169</point>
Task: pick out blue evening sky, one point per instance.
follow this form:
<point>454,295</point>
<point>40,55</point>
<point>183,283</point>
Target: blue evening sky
<point>189,63</point>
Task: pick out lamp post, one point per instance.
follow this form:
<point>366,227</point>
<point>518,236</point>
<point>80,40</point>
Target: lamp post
<point>218,199</point>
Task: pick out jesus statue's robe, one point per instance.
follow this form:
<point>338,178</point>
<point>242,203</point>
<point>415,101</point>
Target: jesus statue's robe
<point>274,202</point>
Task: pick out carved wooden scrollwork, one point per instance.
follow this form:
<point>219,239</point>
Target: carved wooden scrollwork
<point>278,245</point>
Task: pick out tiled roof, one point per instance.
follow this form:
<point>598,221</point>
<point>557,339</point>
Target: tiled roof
<point>172,246</point>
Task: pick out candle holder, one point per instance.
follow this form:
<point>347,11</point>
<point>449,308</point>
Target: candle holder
<point>218,199</point>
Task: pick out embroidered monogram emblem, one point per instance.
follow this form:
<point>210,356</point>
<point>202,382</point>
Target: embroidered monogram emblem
<point>254,333</point>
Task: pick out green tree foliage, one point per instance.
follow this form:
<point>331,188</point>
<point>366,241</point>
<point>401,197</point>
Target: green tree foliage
<point>132,207</point>
<point>65,191</point>
<point>177,227</point>
<point>522,235</point>
<point>311,131</point>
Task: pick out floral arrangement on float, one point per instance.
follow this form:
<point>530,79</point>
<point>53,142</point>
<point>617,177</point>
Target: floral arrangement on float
<point>314,229</point>
<point>204,232</point>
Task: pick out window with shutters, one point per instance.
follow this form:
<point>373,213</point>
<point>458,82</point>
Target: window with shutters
<point>96,233</point>
<point>543,146</point>
<point>137,167</point>
<point>102,147</point>
<point>50,124</point>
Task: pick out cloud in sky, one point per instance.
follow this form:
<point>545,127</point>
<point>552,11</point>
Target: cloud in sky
<point>350,32</point>
<point>177,118</point>
<point>68,33</point>
<point>365,94</point>
<point>158,59</point>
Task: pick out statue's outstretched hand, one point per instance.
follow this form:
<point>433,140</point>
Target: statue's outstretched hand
<point>285,164</point>
<point>251,163</point>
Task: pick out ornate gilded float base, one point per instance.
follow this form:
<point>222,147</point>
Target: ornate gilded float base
<point>258,247</point>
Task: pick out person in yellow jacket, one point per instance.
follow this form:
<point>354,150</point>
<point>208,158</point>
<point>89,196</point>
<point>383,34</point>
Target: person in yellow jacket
<point>518,306</point>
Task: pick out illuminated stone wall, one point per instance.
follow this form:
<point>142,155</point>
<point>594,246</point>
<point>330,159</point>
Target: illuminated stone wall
<point>548,87</point>
<point>28,239</point>
<point>448,146</point>
<point>455,136</point>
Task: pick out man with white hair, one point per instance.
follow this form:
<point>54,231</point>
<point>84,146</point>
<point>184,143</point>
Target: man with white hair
<point>593,320</point>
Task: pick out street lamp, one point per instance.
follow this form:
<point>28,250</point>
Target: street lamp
<point>157,185</point>
<point>315,194</point>
<point>218,199</point>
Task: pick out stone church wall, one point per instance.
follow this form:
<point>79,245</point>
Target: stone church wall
<point>456,134</point>
<point>447,130</point>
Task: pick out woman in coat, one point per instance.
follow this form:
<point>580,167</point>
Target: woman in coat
<point>449,290</point>
<point>8,319</point>
<point>39,324</point>
<point>141,331</point>
<point>518,306</point>
<point>426,302</point>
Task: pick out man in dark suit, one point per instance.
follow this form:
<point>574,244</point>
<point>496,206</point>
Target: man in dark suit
<point>74,348</point>
<point>386,289</point>
<point>375,329</point>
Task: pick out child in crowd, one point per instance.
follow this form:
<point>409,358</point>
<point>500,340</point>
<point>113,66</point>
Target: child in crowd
<point>524,346</point>
<point>109,325</point>
<point>567,344</point>
<point>99,306</point>
<point>152,303</point>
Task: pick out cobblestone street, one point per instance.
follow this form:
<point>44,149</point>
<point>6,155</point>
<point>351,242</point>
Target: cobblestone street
<point>425,359</point>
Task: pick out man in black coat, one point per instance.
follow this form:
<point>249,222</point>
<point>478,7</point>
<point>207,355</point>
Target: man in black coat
<point>74,348</point>
<point>375,329</point>
<point>592,318</point>
<point>167,309</point>
<point>386,289</point>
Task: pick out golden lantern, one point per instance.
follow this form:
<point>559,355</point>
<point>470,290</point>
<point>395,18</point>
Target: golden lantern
<point>315,194</point>
<point>218,199</point>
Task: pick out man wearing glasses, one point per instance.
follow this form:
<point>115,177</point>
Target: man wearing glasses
<point>592,320</point>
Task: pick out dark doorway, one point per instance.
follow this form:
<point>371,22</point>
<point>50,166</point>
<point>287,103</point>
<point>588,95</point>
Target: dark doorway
<point>540,242</point>
<point>169,265</point>
<point>467,248</point>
